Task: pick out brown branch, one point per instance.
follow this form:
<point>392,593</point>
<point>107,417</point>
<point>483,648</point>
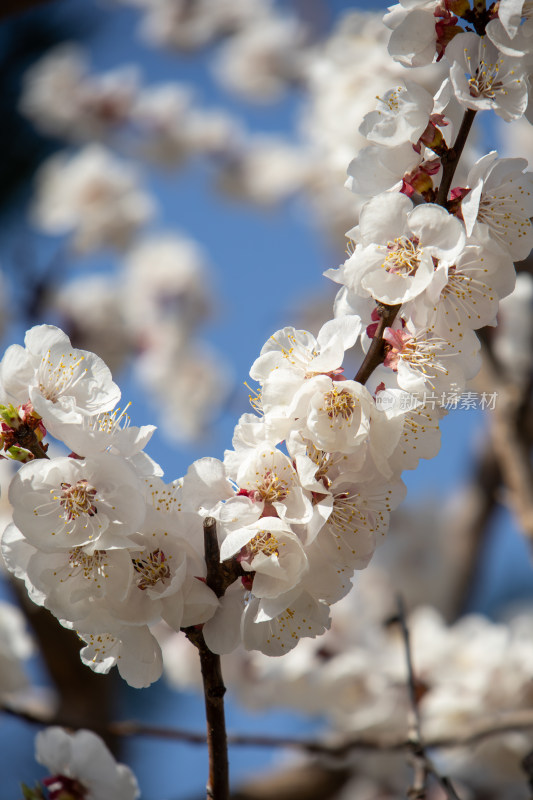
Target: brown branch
<point>218,578</point>
<point>451,158</point>
<point>376,353</point>
<point>217,743</point>
<point>27,439</point>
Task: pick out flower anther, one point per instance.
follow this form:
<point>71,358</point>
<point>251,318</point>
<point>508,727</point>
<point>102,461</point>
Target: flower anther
<point>56,377</point>
<point>339,404</point>
<point>403,257</point>
<point>152,569</point>
<point>421,355</point>
<point>484,81</point>
<point>346,516</point>
<point>92,565</point>
<point>77,499</point>
<point>264,542</point>
<point>271,488</point>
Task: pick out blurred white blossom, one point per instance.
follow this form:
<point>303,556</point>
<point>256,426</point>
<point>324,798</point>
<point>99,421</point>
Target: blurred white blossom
<point>92,195</point>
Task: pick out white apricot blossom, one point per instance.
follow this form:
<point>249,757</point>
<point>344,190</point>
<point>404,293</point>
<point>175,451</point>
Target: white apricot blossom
<point>413,41</point>
<point>82,768</point>
<point>276,626</point>
<point>302,354</point>
<point>63,503</point>
<point>164,567</point>
<point>512,30</point>
<point>377,168</point>
<point>463,296</point>
<point>71,583</point>
<point>420,418</point>
<point>335,415</point>
<point>426,363</point>
<point>109,431</point>
<point>402,116</point>
<point>272,551</point>
<point>484,78</point>
<point>359,519</point>
<point>93,196</point>
<point>397,248</point>
<point>62,383</point>
<point>269,479</point>
<point>131,648</point>
<point>500,203</point>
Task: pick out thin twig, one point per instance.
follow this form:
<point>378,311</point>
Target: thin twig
<point>484,728</point>
<point>418,757</point>
<point>422,764</point>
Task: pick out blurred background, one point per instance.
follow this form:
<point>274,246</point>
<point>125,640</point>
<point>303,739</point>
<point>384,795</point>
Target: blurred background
<point>171,190</point>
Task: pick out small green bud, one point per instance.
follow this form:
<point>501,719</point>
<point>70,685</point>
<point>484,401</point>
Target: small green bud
<point>19,454</point>
<point>32,794</point>
<point>10,415</point>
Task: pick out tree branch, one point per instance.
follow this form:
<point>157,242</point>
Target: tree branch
<point>218,578</point>
<point>510,443</point>
<point>376,353</point>
<point>451,158</point>
<point>486,727</point>
<point>422,764</point>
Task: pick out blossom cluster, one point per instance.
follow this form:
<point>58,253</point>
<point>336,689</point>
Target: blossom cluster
<point>354,678</point>
<point>471,671</point>
<point>152,308</point>
<point>100,199</point>
<point>338,77</point>
<point>305,495</point>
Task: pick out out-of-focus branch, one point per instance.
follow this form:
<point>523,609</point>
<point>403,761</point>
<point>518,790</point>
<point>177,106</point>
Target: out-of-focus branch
<point>470,524</point>
<point>9,8</point>
<point>510,442</point>
<point>85,699</point>
<point>418,757</point>
<point>513,453</point>
<point>503,462</point>
<point>308,781</point>
<point>486,727</point>
<point>422,764</point>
